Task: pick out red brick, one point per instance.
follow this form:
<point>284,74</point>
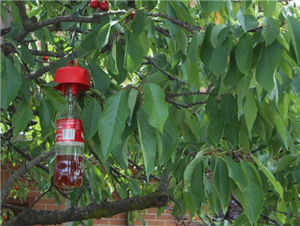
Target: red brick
<point>151,210</point>
<point>33,194</point>
<point>46,201</point>
<point>117,222</point>
<point>115,217</point>
<point>39,207</point>
<point>165,217</point>
<point>101,221</point>
<point>155,222</point>
<point>149,216</point>
<point>122,216</point>
<point>54,207</point>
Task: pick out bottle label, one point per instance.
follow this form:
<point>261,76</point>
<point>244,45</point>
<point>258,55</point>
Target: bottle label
<point>69,130</point>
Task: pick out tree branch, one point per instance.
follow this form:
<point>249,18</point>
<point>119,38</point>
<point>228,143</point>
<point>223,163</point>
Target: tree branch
<point>47,53</point>
<point>171,77</point>
<point>177,104</point>
<point>23,169</point>
<point>186,94</point>
<point>21,152</point>
<point>22,10</point>
<point>180,23</point>
<point>155,199</point>
<point>262,215</point>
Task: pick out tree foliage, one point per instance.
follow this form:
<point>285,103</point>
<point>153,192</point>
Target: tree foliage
<point>206,92</point>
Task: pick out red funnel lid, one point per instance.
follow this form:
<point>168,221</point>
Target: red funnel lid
<point>77,77</point>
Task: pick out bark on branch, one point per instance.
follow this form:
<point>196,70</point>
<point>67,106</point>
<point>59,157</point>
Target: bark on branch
<point>23,169</point>
<point>94,210</point>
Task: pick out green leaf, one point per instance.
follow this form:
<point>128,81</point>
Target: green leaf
<point>103,36</point>
<point>219,34</point>
<point>189,170</point>
<point>285,162</point>
<point>26,55</point>
<point>215,128</point>
<point>267,64</point>
<point>221,182</point>
<point>248,22</point>
<point>21,118</point>
<point>88,44</point>
<point>158,78</point>
<point>232,130</point>
<point>131,101</point>
<point>228,107</point>
<point>242,220</point>
<point>250,110</point>
<point>100,79</point>
<point>253,193</point>
<point>90,117</point>
<point>140,22</point>
<point>156,105</point>
<point>276,185</point>
<point>182,41</point>
<point>133,53</point>
<point>197,183</point>
<point>121,154</point>
<point>47,115</point>
<point>170,140</point>
<point>150,4</point>
<point>211,6</point>
<point>295,84</point>
<point>244,53</point>
<point>280,128</point>
<point>270,30</point>
<point>10,83</point>
<point>207,48</point>
<point>193,123</point>
<point>122,75</point>
<point>294,31</point>
<point>269,6</point>
<point>247,3</point>
<point>219,58</point>
<point>296,173</point>
<point>57,100</point>
<point>112,122</point>
<point>147,139</point>
<point>237,173</point>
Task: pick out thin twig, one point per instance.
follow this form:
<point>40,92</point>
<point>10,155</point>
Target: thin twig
<point>141,168</point>
<point>9,206</point>
<point>186,94</point>
<point>171,77</point>
<point>277,211</point>
<point>180,209</point>
<point>269,219</point>
<point>262,215</point>
<point>187,26</point>
<point>48,190</point>
<point>185,105</point>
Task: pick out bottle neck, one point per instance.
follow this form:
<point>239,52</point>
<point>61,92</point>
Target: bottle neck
<point>73,109</point>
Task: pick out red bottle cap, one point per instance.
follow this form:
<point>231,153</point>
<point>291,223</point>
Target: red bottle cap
<point>77,77</point>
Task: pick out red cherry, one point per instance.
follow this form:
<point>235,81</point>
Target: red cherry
<point>132,15</point>
<point>45,58</point>
<point>104,5</point>
<point>4,217</point>
<point>95,4</point>
<point>17,188</point>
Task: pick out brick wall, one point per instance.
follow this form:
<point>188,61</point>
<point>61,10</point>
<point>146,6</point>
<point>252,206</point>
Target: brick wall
<point>149,215</point>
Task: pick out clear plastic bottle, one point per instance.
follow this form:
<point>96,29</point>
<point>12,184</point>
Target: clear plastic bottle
<point>69,145</point>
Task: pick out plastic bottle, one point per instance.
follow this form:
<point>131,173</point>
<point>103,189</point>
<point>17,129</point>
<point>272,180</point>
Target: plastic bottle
<point>69,144</point>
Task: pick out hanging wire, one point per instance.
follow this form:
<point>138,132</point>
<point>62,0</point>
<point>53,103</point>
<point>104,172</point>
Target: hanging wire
<point>74,35</point>
<point>78,12</point>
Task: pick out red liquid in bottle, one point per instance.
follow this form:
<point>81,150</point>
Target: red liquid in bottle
<point>68,171</point>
